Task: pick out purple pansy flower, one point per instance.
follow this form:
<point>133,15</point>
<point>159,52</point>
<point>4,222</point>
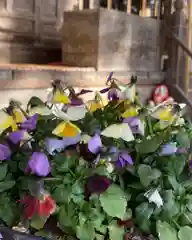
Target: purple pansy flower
<point>95,144</point>
<point>97,184</point>
<point>5,152</point>
<point>168,149</point>
<point>121,158</point>
<point>135,124</point>
<point>16,137</point>
<point>113,94</point>
<point>91,150</point>
<point>124,159</point>
<point>55,144</point>
<point>190,164</point>
<point>30,123</point>
<point>39,164</point>
<point>182,150</point>
<point>75,101</point>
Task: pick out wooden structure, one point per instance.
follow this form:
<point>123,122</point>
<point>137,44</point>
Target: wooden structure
<point>28,30</point>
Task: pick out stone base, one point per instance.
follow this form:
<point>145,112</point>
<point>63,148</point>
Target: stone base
<point>110,40</point>
<point>23,81</point>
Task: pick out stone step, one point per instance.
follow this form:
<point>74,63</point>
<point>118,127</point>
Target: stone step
<point>23,81</point>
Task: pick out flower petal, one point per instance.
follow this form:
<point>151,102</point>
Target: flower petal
<point>168,149</point>
<point>39,164</point>
<point>5,152</point>
<point>98,184</point>
<point>16,137</point>
<point>95,144</point>
<point>53,144</point>
<point>30,123</point>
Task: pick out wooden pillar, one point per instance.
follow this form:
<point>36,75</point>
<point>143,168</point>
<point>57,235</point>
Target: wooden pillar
<point>129,5</point>
<point>81,4</point>
<point>189,62</point>
<point>109,4</point>
<point>144,7</point>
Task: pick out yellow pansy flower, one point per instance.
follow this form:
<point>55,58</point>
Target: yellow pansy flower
<point>7,121</point>
<point>60,97</point>
<point>130,112</point>
<point>66,129</point>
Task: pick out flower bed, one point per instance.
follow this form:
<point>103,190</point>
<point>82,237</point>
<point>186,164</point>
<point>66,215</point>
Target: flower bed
<point>96,170</point>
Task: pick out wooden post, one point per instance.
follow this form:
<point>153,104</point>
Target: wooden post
<point>144,7</point>
<point>81,4</point>
<point>188,63</point>
<point>129,5</point>
<point>109,4</point>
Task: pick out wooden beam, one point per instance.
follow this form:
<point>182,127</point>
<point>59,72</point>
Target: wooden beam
<point>129,5</point>
<point>144,7</point>
<point>109,4</point>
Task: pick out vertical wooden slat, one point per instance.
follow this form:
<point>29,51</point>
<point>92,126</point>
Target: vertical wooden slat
<point>81,4</point>
<point>144,7</point>
<point>129,5</point>
<point>9,5</point>
<point>188,63</point>
<point>109,4</point>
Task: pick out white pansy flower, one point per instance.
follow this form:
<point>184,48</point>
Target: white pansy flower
<point>154,197</point>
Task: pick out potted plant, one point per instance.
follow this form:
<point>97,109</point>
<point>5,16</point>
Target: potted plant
<point>96,170</point>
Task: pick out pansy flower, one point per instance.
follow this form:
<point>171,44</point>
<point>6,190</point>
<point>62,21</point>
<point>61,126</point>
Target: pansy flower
<point>58,145</point>
<point>7,121</point>
<point>97,184</point>
<point>5,152</point>
<point>121,158</point>
<point>136,125</point>
<point>39,164</point>
<point>168,149</point>
<point>66,129</point>
<point>43,207</point>
<point>90,151</point>
<point>30,123</point>
<point>17,136</point>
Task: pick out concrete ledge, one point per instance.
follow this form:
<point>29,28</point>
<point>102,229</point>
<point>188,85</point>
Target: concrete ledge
<point>39,76</point>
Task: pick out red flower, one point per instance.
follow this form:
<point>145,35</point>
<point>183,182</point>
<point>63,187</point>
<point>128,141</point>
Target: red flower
<point>30,206</point>
<point>46,206</point>
<point>33,205</point>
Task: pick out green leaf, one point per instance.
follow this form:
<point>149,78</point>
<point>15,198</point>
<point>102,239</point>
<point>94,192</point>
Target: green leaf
<point>86,232</point>
<point>183,138</point>
<point>6,185</point>
<point>186,219</point>
<point>170,207</point>
<point>165,231</point>
<point>176,165</point>
<point>149,145</point>
<point>3,171</point>
<point>185,233</point>
<point>115,232</point>
<point>8,213</point>
<point>67,215</point>
<point>99,237</point>
<point>62,194</point>
<point>38,222</point>
<point>188,203</point>
<point>34,102</point>
<point>113,201</point>
<point>143,212</point>
<point>147,174</point>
